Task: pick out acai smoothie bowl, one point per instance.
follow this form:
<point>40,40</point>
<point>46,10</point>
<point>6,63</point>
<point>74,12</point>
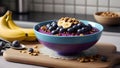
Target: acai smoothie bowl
<point>68,36</point>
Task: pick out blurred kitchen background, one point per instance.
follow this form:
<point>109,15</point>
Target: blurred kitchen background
<point>63,6</point>
<point>40,10</point>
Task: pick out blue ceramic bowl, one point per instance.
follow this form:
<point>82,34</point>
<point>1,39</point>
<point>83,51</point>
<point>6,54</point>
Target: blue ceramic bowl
<point>68,45</point>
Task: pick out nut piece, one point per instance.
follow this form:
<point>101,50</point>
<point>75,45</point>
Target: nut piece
<point>81,34</point>
<point>34,54</point>
<point>43,28</point>
<point>36,51</point>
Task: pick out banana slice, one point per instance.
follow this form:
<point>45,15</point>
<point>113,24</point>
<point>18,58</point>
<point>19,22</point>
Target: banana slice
<point>66,25</point>
<point>60,23</point>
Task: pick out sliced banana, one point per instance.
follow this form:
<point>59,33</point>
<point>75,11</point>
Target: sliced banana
<point>60,23</point>
<point>66,25</point>
<point>66,22</point>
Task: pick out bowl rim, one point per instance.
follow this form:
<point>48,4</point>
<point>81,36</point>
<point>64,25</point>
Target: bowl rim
<point>68,36</point>
<point>95,14</point>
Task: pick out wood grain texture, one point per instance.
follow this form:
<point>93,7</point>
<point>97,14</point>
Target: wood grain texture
<point>42,60</point>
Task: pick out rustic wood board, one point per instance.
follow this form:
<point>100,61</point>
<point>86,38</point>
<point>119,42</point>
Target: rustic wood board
<point>43,60</point>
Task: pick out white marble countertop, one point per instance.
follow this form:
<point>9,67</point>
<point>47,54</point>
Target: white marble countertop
<point>107,37</point>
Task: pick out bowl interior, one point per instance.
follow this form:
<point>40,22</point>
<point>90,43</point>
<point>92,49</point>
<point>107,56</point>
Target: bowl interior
<point>94,24</point>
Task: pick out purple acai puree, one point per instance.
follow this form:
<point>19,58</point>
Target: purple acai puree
<point>94,30</point>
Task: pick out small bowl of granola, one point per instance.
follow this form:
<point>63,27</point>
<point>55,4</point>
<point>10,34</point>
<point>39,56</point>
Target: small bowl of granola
<point>68,36</point>
<point>107,18</point>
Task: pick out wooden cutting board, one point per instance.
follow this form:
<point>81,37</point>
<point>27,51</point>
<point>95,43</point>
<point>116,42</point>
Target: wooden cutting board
<point>43,60</point>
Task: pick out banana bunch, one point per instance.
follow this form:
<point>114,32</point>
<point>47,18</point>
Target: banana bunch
<point>10,31</point>
<point>9,34</point>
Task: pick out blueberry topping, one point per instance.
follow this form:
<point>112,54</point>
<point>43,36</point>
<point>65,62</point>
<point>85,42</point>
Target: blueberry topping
<point>58,28</point>
<point>85,29</point>
<point>70,30</point>
<point>79,31</point>
<point>83,25</point>
<point>61,30</point>
<point>54,24</point>
<point>16,43</point>
<point>80,25</point>
<point>30,50</point>
<point>89,27</point>
<point>103,58</point>
<point>51,28</point>
<point>2,43</point>
<point>54,31</point>
<point>75,27</point>
<point>48,25</point>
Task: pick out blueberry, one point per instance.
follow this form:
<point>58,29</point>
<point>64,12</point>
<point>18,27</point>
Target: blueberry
<point>79,26</point>
<point>16,43</point>
<point>75,27</point>
<point>58,28</point>
<point>54,31</point>
<point>70,30</point>
<point>1,52</point>
<point>61,30</point>
<point>83,25</point>
<point>48,25</point>
<point>85,29</point>
<point>2,43</point>
<point>54,24</point>
<point>89,27</point>
<point>51,28</point>
<point>79,31</point>
<point>30,50</point>
<point>103,58</point>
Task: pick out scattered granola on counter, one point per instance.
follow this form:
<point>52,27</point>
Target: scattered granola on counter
<point>32,51</point>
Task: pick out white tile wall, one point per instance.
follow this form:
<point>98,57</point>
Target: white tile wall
<point>38,1</point>
<point>59,8</point>
<point>59,1</point>
<point>103,3</point>
<point>38,7</point>
<point>102,9</point>
<point>91,10</point>
<point>115,9</point>
<point>48,1</point>
<point>69,1</point>
<point>80,2</point>
<point>80,10</point>
<point>70,6</point>
<point>48,8</point>
<point>114,3</point>
<point>69,9</point>
<point>92,2</point>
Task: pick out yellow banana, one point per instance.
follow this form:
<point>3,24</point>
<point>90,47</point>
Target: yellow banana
<point>9,34</point>
<point>30,32</point>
